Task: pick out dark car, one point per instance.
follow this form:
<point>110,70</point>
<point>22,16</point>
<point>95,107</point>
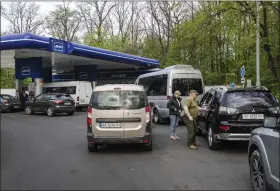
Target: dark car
<point>263,155</point>
<point>9,103</point>
<point>51,103</point>
<point>233,114</point>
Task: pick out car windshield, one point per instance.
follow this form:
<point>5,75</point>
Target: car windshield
<point>249,99</point>
<point>185,85</point>
<point>110,100</point>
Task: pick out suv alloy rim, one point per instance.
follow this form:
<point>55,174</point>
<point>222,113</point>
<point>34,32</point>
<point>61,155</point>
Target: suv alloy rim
<point>257,173</point>
<point>210,136</point>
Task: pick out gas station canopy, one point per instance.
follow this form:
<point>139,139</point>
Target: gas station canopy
<point>65,55</point>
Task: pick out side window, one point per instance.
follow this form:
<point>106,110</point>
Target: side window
<point>46,97</point>
<point>204,98</point>
<point>155,85</point>
<point>39,97</point>
<point>209,99</point>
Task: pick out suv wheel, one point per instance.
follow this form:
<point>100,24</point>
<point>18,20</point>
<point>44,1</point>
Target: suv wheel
<point>92,148</point>
<point>50,112</point>
<point>156,117</point>
<point>213,143</point>
<point>257,174</point>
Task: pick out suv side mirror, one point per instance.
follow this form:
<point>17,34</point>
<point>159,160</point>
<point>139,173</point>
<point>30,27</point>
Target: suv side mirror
<point>270,122</point>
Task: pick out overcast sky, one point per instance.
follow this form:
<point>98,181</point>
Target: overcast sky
<point>45,7</point>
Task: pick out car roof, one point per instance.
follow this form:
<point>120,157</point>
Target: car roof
<point>121,86</point>
<point>262,89</point>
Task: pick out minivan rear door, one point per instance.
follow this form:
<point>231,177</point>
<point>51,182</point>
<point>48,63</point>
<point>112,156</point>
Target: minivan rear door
<point>134,121</point>
<point>107,113</point>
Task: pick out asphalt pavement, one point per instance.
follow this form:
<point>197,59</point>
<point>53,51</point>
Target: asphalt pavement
<point>39,152</point>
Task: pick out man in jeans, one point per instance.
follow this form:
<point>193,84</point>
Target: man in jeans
<point>191,110</point>
<point>175,107</point>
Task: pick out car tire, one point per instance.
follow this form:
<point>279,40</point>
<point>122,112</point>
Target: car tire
<point>0,109</point>
<point>50,111</point>
<point>256,162</point>
<point>70,113</point>
<point>28,110</point>
<point>149,146</point>
<point>213,143</point>
<point>92,148</point>
<point>156,117</point>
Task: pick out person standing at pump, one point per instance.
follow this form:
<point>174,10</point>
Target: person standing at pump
<point>175,107</point>
<point>191,112</point>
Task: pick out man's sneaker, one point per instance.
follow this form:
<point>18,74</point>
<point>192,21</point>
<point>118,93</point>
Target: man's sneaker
<point>192,147</point>
<point>172,137</point>
<point>176,137</point>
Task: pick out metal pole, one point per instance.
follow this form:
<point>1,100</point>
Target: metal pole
<point>258,83</point>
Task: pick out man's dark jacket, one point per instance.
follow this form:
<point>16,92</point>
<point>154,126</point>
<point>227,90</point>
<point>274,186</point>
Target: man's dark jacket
<point>174,106</point>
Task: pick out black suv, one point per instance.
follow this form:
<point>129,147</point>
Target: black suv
<point>233,114</point>
<point>51,103</point>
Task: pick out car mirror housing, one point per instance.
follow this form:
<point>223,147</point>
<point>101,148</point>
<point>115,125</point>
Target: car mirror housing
<point>271,122</point>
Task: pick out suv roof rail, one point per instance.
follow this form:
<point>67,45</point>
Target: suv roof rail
<point>257,87</point>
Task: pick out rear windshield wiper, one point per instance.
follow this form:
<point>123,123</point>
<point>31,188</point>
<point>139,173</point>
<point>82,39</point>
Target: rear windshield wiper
<point>110,107</point>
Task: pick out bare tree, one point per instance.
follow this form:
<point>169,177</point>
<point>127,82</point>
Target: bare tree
<point>94,15</point>
<point>23,17</point>
<point>164,17</point>
<point>63,23</point>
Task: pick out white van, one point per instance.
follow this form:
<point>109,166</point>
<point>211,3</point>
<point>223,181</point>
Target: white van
<point>161,85</point>
<point>80,91</point>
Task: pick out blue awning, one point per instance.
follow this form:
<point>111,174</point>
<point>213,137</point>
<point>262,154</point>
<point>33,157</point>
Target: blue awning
<point>31,41</point>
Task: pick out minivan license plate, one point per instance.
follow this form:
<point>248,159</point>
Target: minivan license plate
<point>67,103</point>
<point>252,116</point>
<point>110,125</point>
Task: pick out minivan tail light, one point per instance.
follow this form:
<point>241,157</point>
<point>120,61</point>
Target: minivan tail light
<point>78,98</point>
<point>89,121</point>
<point>148,117</point>
<point>6,102</point>
<point>168,97</point>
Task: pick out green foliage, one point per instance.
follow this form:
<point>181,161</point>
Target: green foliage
<point>7,78</point>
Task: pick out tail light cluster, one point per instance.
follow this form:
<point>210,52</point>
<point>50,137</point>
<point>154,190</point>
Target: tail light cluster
<point>78,98</point>
<point>6,102</point>
<point>148,117</point>
<point>89,111</point>
<point>224,127</point>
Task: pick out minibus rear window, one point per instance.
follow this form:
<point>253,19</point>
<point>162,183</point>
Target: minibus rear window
<point>185,85</point>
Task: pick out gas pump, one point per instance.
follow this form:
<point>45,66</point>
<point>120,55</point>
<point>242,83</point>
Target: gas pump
<point>31,91</point>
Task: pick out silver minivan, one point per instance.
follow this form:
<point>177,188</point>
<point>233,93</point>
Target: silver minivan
<point>119,113</point>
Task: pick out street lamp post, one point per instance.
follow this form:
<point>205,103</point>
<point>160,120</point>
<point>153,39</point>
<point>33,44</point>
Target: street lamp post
<point>258,83</point>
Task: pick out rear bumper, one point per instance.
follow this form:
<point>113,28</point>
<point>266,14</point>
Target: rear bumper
<point>119,140</point>
<point>11,107</point>
<point>62,109</point>
<point>233,136</point>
